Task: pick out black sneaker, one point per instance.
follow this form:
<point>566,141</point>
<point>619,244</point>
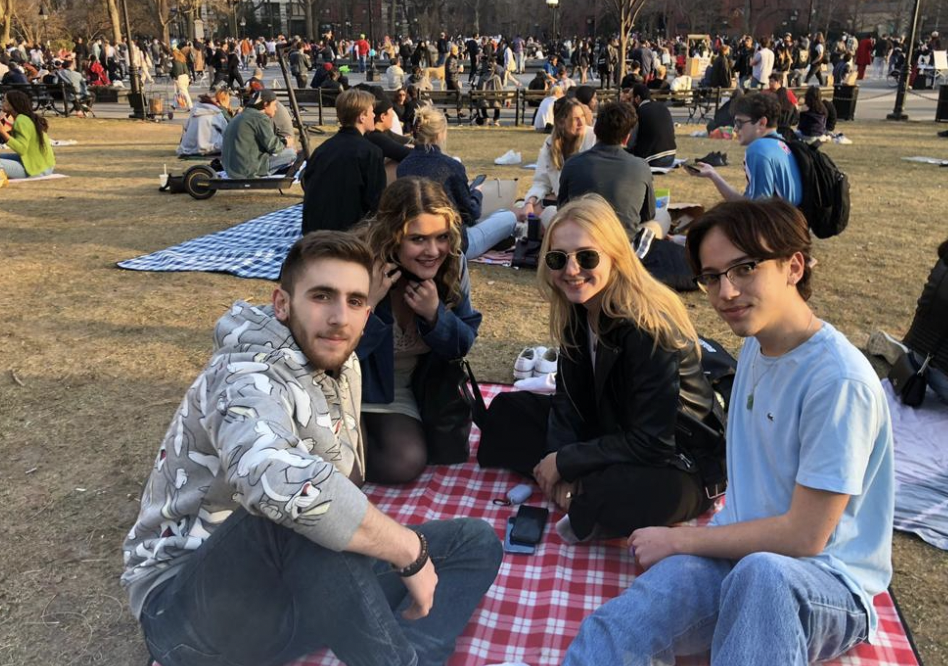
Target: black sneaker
<point>715,159</point>
<point>944,134</point>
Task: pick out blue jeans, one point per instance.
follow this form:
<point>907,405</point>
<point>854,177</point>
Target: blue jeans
<point>282,159</point>
<point>362,64</point>
<point>937,379</point>
<point>489,231</point>
<point>763,609</point>
<point>259,594</point>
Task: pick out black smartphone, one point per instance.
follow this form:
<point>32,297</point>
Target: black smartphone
<point>478,180</point>
<point>529,524</point>
<point>691,168</point>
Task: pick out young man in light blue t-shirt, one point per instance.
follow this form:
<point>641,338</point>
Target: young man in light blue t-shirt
<point>786,572</point>
<point>769,165</point>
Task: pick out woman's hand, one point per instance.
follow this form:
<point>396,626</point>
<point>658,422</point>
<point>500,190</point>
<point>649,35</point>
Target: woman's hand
<point>547,475</point>
<point>422,298</point>
<point>383,277</point>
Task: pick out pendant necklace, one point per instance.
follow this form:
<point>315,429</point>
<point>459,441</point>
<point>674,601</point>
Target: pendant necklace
<point>757,380</point>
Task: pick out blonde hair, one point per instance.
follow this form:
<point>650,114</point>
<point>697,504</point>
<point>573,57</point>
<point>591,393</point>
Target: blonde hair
<point>351,104</point>
<point>631,293</point>
<point>430,126</point>
<point>403,201</point>
<point>562,145</point>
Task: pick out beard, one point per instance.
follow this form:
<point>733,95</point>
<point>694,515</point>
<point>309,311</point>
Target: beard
<point>320,353</point>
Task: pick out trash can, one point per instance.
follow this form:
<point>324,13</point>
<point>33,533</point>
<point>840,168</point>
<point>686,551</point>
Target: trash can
<point>941,111</point>
<point>844,99</point>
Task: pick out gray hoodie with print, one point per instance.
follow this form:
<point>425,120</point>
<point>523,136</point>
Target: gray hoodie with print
<point>259,428</point>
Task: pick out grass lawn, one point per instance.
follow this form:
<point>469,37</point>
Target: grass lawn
<point>97,359</point>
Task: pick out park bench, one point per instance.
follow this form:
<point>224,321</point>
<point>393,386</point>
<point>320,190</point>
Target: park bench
<point>447,101</point>
<point>45,96</point>
<point>508,100</point>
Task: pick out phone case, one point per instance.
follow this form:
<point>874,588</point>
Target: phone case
<point>515,548</point>
<point>529,524</point>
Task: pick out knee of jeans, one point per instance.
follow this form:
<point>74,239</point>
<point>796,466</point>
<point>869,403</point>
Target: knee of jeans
<point>760,573</point>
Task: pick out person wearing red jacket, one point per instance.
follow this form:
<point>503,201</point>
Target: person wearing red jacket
<point>362,51</point>
<point>863,56</point>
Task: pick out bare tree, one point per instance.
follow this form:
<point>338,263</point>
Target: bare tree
<point>112,7</point>
<point>7,13</point>
<point>625,11</point>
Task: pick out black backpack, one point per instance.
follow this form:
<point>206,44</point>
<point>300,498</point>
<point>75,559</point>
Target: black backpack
<point>825,203</point>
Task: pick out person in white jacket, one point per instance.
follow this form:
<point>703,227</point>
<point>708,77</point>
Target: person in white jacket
<point>571,135</point>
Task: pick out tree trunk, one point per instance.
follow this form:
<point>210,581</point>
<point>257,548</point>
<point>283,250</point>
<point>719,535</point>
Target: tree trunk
<point>112,6</point>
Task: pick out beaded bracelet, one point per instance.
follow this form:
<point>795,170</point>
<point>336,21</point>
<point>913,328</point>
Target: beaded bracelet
<point>419,563</point>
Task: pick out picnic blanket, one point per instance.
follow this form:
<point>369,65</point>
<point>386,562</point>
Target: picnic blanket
<point>921,467</point>
<point>253,249</point>
<point>535,607</point>
<point>33,179</point>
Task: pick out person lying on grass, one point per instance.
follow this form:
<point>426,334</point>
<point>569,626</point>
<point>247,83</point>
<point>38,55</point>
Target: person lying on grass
<point>254,545</point>
<point>786,572</point>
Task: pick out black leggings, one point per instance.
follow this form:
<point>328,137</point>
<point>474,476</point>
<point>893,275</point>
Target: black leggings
<point>395,450</point>
<point>619,498</point>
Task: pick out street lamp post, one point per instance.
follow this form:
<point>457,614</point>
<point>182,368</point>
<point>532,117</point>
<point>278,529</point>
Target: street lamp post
<point>554,5</point>
<point>135,97</point>
<point>898,110</point>
<point>243,26</point>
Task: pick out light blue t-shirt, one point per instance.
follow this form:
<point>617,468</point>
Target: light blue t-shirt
<point>819,419</point>
<point>772,171</point>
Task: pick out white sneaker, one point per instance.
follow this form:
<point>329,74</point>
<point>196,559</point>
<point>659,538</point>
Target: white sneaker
<point>884,345</point>
<point>525,363</point>
<point>547,360</point>
<point>543,384</point>
<point>509,158</point>
<point>844,140</point>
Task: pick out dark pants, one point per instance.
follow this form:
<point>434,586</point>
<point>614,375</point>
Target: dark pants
<point>259,594</point>
<point>619,498</point>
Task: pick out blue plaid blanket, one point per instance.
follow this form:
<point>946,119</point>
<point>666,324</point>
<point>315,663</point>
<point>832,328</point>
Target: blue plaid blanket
<point>254,249</point>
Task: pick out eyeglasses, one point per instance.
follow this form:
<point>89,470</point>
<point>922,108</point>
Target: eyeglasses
<point>739,123</point>
<point>738,275</point>
<point>556,260</point>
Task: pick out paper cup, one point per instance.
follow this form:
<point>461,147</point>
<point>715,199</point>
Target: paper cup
<point>163,179</point>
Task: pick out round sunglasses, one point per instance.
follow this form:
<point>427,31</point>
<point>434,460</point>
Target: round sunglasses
<point>556,260</point>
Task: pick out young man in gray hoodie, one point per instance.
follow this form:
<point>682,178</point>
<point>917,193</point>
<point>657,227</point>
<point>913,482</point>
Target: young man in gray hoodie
<point>255,545</point>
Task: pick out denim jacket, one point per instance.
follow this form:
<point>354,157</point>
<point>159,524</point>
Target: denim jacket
<point>451,337</point>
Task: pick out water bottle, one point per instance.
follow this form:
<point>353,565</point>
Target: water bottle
<point>533,227</point>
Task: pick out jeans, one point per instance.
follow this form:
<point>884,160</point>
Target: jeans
<point>817,71</point>
<point>489,231</point>
<point>12,164</point>
<point>763,609</point>
<point>259,594</point>
<point>281,160</point>
<point>362,64</point>
<point>937,379</point>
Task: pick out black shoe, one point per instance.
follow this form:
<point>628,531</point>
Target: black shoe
<point>715,159</point>
<point>944,134</point>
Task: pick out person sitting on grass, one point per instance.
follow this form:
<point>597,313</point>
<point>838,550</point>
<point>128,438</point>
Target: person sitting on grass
<point>254,543</point>
<point>25,133</point>
<point>604,447</point>
<point>571,135</point>
<point>787,571</point>
<point>251,147</point>
<point>204,129</point>
<point>769,165</point>
<point>818,117</point>
<point>421,321</point>
<point>428,160</point>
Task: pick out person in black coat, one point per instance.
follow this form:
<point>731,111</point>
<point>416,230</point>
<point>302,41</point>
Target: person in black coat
<point>653,139</point>
<point>345,176</point>
<point>604,447</point>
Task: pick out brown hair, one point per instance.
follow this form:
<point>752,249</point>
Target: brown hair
<point>403,201</point>
<point>323,244</point>
<point>762,229</point>
<point>22,105</point>
<point>562,146</point>
<point>351,104</point>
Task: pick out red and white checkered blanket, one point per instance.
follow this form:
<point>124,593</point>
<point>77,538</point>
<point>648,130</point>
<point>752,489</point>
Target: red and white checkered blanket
<point>535,607</point>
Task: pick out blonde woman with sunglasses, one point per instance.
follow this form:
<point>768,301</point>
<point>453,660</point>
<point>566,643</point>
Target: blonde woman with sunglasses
<point>603,448</point>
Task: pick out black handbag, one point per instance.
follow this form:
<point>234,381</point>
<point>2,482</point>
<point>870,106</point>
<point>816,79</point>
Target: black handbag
<point>909,380</point>
<point>527,249</point>
<point>445,410</point>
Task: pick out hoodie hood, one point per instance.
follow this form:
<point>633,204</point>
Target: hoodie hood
<point>247,328</point>
<point>205,109</point>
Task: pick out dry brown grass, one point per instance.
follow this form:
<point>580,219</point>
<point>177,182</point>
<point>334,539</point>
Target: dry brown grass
<point>96,359</point>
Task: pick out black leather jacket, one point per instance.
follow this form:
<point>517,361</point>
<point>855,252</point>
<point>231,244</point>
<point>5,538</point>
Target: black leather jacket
<point>929,331</point>
<point>626,411</point>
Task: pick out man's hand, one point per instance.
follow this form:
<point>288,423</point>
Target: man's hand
<point>563,493</point>
<point>422,298</point>
<point>652,544</point>
<point>703,170</point>
<point>421,588</point>
<point>383,277</point>
<point>546,474</point>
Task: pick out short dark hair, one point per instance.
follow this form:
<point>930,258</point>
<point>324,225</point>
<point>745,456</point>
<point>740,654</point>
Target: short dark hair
<point>641,91</point>
<point>763,229</point>
<point>323,244</point>
<point>614,122</point>
<point>757,106</point>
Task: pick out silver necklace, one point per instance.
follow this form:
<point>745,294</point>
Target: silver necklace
<point>750,396</point>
